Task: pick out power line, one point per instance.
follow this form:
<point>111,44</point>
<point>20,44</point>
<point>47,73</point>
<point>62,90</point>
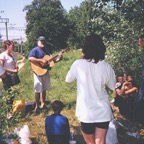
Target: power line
<point>14,28</point>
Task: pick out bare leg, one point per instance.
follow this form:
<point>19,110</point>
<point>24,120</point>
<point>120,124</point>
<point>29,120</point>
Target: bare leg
<point>89,138</point>
<point>43,97</point>
<point>100,135</point>
<point>37,100</point>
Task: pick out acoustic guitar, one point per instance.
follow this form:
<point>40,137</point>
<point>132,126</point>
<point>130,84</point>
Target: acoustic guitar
<point>40,69</point>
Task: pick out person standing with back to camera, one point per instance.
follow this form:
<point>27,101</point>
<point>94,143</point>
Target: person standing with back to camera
<point>41,83</point>
<point>93,74</point>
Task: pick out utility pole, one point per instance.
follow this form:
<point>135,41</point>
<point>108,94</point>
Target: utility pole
<point>5,20</point>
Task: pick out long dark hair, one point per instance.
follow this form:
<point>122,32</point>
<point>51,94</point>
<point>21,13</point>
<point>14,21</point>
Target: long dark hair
<point>94,48</point>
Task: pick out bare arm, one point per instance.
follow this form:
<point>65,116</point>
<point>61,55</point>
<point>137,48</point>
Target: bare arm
<point>123,89</point>
<point>114,93</point>
<point>132,90</point>
<point>33,60</point>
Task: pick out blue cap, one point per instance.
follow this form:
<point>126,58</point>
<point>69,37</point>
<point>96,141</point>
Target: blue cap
<point>41,38</point>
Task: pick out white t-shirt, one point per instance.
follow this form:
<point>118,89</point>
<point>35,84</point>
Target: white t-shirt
<point>2,71</point>
<point>9,61</point>
<point>92,98</point>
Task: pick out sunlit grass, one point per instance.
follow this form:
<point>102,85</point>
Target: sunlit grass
<point>59,90</point>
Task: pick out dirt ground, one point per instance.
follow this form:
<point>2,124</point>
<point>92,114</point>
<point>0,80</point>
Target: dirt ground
<point>128,131</point>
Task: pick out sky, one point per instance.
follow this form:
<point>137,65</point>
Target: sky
<point>13,10</point>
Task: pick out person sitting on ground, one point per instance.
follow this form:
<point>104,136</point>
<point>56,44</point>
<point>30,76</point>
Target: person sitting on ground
<point>128,87</point>
<point>132,92</point>
<point>57,126</point>
<point>125,96</point>
<point>131,85</point>
<point>118,85</point>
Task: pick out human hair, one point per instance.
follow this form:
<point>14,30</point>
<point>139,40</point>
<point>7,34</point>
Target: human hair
<point>57,105</point>
<point>141,37</point>
<point>120,75</point>
<point>131,79</point>
<point>93,48</point>
<point>7,43</point>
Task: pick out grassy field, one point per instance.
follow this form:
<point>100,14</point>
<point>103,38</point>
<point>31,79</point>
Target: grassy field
<point>59,90</point>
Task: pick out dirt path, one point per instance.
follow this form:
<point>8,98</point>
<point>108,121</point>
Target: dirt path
<point>21,62</point>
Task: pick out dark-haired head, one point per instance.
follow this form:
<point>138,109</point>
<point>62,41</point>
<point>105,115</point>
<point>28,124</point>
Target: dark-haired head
<point>130,78</point>
<point>94,48</point>
<point>57,106</point>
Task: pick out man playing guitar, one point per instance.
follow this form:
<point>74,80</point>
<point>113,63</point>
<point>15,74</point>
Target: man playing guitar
<point>41,81</point>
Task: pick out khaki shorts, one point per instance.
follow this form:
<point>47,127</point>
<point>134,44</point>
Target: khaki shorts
<point>41,83</point>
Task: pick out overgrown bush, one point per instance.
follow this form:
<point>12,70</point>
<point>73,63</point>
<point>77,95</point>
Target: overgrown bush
<point>5,122</point>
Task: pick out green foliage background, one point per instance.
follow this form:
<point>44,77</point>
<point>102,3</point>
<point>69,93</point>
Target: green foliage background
<point>118,22</point>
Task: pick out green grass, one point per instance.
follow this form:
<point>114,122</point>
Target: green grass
<point>59,90</point>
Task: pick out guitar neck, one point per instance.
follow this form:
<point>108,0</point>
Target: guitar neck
<point>51,59</point>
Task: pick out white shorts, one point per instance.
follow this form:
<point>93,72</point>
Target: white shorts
<point>41,83</point>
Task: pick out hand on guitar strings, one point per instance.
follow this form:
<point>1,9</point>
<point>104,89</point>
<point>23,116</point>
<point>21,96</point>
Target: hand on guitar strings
<point>60,57</point>
<point>43,62</point>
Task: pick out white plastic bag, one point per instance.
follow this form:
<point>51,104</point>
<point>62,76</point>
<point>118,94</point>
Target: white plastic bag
<point>111,137</point>
<point>24,135</point>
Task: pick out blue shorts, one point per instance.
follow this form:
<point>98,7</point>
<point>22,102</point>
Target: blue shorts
<point>89,128</point>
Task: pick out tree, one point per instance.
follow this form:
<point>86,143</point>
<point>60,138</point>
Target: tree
<point>83,19</point>
<point>124,53</point>
<point>119,23</point>
<point>47,18</point>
